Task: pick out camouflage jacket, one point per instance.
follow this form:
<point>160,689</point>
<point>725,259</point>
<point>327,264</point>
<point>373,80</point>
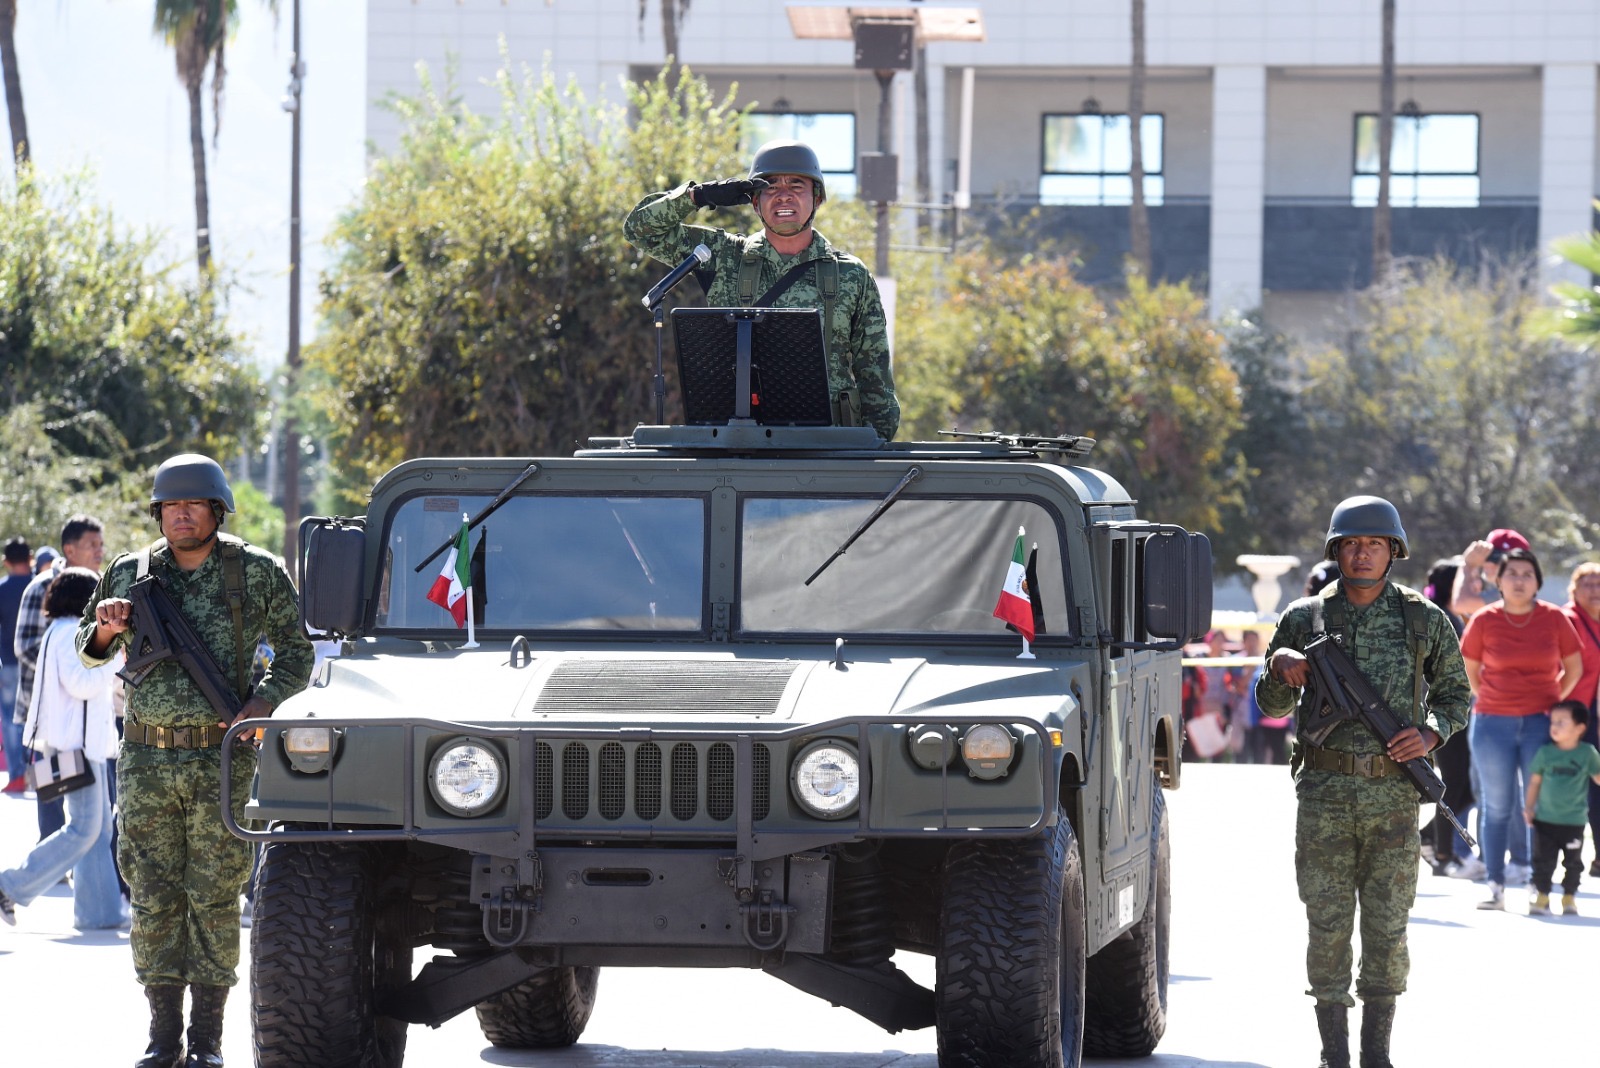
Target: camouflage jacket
<point>1375,637</point>
<point>858,350</point>
<point>168,697</point>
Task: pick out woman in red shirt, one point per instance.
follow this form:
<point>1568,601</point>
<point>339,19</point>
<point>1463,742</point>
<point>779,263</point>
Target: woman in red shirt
<point>1583,608</point>
<point>1522,656</point>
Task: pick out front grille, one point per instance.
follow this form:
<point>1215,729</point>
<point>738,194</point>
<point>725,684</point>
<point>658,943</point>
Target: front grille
<point>665,687</point>
<point>700,784</point>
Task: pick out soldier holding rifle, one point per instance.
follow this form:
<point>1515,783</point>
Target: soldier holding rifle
<point>184,870</point>
<point>1356,826</point>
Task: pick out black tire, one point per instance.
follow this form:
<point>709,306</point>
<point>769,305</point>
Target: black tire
<point>1127,1004</point>
<point>1009,968</point>
<point>319,963</point>
<point>547,1011</point>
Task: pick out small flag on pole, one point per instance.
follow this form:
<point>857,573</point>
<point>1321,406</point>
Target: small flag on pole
<point>449,590</point>
<point>1015,606</point>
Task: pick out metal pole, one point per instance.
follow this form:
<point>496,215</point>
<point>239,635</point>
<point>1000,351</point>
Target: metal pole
<point>880,263</point>
<point>291,425</point>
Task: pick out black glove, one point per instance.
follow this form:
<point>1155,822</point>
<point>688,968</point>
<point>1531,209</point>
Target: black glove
<point>728,193</point>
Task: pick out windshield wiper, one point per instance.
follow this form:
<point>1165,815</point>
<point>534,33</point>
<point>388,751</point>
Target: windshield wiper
<point>500,498</point>
<point>883,506</point>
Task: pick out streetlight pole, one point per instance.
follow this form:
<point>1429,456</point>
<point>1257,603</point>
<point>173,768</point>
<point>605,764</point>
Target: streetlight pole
<point>291,424</point>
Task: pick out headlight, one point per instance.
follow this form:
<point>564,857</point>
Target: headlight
<point>310,749</point>
<point>932,746</point>
<point>827,779</point>
<point>467,776</point>
<point>987,748</point>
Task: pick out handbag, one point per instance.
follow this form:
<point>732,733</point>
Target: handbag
<point>63,770</point>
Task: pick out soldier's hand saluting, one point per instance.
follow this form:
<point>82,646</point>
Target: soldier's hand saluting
<point>728,193</point>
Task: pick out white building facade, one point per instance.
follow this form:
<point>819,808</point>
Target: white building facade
<point>1259,142</point>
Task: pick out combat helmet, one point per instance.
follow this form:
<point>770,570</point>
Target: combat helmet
<point>1365,517</point>
<point>789,157</point>
<point>191,477</point>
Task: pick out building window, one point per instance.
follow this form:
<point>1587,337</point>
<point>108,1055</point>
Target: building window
<point>831,133</point>
<point>1087,160</point>
<point>1433,162</point>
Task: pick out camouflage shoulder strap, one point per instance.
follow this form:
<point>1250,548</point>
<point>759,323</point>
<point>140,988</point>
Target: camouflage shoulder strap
<point>233,588</point>
<point>749,275</point>
<point>828,283</point>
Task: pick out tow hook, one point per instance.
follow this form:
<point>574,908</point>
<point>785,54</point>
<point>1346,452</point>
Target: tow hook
<point>766,922</point>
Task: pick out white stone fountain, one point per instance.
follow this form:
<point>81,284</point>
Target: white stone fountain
<point>1267,591</point>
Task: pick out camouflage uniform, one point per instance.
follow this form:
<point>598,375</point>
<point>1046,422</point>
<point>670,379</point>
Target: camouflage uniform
<point>1356,838</point>
<point>858,348</point>
<point>184,870</point>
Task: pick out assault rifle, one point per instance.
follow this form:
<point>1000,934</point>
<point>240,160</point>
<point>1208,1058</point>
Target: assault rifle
<point>1337,692</point>
<point>158,633</point>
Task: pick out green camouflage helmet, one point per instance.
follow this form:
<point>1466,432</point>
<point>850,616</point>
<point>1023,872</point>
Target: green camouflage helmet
<point>1365,517</point>
<point>191,477</point>
<point>789,157</point>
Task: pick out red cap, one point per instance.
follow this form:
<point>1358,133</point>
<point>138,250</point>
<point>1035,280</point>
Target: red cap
<point>1504,540</point>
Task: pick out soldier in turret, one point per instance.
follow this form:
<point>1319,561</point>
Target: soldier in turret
<point>1356,836</point>
<point>785,186</point>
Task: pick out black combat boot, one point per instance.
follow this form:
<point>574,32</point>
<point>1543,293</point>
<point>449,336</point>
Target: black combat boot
<point>166,1027</point>
<point>1333,1024</point>
<point>1377,1020</point>
<point>205,1026</point>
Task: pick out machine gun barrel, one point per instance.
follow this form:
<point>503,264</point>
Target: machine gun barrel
<point>160,633</point>
<point>1340,693</point>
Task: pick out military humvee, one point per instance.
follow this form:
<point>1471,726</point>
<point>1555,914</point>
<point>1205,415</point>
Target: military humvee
<point>687,738</point>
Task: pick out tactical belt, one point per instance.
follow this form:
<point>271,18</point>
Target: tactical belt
<point>1366,765</point>
<point>207,737</point>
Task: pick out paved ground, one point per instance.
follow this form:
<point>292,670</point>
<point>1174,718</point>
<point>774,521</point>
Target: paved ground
<point>1487,989</point>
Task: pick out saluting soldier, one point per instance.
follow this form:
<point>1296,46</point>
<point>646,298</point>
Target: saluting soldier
<point>785,186</point>
<point>1356,825</point>
<point>185,872</point>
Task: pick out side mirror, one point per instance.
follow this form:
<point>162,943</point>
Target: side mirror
<point>332,559</point>
<point>1177,585</point>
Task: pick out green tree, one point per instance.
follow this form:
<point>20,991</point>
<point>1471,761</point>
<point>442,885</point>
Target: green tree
<point>483,300</point>
<point>1026,347</point>
<point>1441,397</point>
<point>122,363</point>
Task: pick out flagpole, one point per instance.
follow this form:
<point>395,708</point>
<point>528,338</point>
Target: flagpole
<point>472,634</point>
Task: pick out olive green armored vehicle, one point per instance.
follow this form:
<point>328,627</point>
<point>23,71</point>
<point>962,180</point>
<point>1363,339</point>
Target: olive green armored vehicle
<point>738,698</point>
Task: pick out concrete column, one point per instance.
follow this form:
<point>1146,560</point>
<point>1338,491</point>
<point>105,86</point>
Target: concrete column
<point>1566,164</point>
<point>1238,185</point>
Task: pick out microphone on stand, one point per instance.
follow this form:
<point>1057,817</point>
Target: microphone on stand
<point>699,257</point>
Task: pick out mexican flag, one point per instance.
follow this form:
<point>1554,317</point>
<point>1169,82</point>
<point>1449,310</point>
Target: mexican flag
<point>1015,606</point>
<point>449,590</point>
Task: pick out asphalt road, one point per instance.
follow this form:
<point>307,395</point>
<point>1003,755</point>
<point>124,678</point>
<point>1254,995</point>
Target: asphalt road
<point>1487,989</point>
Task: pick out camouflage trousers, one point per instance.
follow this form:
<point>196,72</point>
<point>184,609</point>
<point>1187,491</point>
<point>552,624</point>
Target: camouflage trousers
<point>1356,846</point>
<point>185,872</point>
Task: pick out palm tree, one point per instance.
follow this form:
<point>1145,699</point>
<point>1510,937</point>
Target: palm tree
<point>1382,223</point>
<point>197,30</point>
<point>1138,218</point>
<point>8,60</point>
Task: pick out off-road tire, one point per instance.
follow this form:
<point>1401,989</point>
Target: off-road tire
<point>1127,992</point>
<point>318,963</point>
<point>1010,962</point>
<point>547,1011</point>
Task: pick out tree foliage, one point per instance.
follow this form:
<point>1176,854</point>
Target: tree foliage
<point>118,363</point>
<point>1441,398</point>
<point>1026,347</point>
<point>483,300</point>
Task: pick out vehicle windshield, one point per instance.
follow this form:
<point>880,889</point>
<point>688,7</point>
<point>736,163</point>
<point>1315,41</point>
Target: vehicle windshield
<point>926,566</point>
<point>553,563</point>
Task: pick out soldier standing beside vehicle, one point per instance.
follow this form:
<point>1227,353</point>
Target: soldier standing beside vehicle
<point>785,186</point>
<point>1356,827</point>
<point>184,870</point>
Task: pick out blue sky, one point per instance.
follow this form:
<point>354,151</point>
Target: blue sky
<point>101,90</point>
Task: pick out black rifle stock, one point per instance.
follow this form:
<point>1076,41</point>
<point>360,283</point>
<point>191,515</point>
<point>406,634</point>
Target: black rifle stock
<point>1339,693</point>
<point>159,632</point>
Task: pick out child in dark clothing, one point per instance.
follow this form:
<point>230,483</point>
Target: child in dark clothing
<point>1557,806</point>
